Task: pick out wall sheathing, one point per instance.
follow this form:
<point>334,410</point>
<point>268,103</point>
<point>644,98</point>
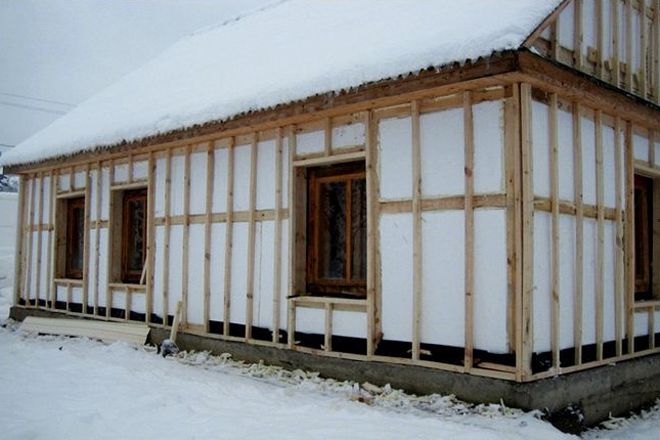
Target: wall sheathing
<point>581,163</point>
<point>617,41</point>
<point>485,206</point>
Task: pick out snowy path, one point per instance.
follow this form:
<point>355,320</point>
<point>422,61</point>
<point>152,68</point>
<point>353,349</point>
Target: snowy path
<point>54,388</point>
<point>59,388</point>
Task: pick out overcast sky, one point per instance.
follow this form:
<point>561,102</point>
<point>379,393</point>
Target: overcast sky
<point>57,53</point>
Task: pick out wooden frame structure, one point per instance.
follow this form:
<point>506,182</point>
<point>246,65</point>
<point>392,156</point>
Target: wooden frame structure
<point>227,206</point>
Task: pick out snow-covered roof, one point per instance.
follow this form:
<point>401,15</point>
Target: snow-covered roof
<point>282,53</point>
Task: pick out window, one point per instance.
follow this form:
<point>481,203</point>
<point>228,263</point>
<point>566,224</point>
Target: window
<point>337,230</point>
<point>644,213</point>
<point>129,235</point>
<point>75,238</point>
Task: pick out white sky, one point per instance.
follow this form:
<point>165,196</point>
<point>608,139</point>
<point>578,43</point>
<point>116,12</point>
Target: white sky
<point>66,50</point>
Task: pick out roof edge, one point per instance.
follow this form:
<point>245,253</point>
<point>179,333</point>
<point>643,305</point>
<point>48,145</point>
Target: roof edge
<point>345,100</point>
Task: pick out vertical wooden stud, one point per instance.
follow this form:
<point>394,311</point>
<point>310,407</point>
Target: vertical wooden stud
<point>554,196</point>
<point>598,9</point>
<point>228,237</point>
<point>600,248</point>
<point>629,46</point>
<point>651,327</point>
<point>108,261</point>
<point>468,125</point>
<point>97,235</point>
<point>30,228</point>
<point>578,35</point>
<point>19,253</point>
<point>643,49</point>
<point>629,238</point>
<point>186,236</point>
<point>616,41</point>
<point>513,215</point>
<point>151,236</point>
<point>86,240</point>
<point>579,233</point>
<point>291,308</point>
<point>372,233</point>
<point>50,255</point>
<point>277,252</point>
<point>527,229</point>
<point>210,176</point>
<point>249,303</point>
<point>129,167</point>
<point>167,208</point>
<point>327,137</point>
<point>417,230</point>
<point>618,260</point>
<point>37,294</point>
<point>327,340</point>
<point>128,304</point>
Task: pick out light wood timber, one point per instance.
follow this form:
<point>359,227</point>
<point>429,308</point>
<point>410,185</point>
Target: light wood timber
<point>249,303</point>
<point>600,243</point>
<point>554,197</point>
<point>619,247</point>
<point>579,232</point>
<point>167,208</point>
<point>19,252</point>
<point>150,258</point>
<point>39,240</point>
<point>208,230</point>
<point>527,229</point>
<point>228,238</point>
<point>277,251</point>
<point>417,230</point>
<point>186,237</point>
<point>468,135</point>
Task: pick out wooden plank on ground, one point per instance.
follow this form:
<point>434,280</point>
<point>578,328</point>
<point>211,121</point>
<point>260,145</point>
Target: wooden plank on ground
<point>106,331</point>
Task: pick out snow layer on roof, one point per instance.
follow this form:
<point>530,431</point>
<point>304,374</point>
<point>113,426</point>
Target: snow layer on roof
<point>282,53</point>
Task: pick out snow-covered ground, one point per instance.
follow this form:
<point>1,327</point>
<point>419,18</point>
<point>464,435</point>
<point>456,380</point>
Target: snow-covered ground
<point>66,388</point>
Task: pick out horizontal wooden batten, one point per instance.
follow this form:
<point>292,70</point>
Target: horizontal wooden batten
<point>70,194</point>
<point>237,216</point>
<point>333,158</point>
<point>67,282</point>
<point>43,227</point>
<point>134,288</point>
<point>570,208</point>
<point>320,302</point>
<point>135,184</point>
<point>643,305</point>
<point>444,203</point>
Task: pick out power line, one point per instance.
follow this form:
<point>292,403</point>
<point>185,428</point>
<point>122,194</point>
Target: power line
<point>51,101</point>
<point>31,107</point>
<point>6,145</point>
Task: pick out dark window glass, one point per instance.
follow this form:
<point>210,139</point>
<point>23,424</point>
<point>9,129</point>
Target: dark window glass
<point>75,237</point>
<point>133,235</point>
<point>332,230</point>
<point>337,232</point>
<point>643,236</point>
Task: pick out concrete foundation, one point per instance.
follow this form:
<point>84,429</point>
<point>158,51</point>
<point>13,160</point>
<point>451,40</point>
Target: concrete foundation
<point>614,389</point>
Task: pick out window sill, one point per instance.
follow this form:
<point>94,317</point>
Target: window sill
<point>646,304</point>
<point>128,286</point>
<point>72,281</point>
<point>320,302</point>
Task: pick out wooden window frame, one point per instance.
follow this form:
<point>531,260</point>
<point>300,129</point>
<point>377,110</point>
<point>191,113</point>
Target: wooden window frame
<point>118,235</point>
<point>315,284</point>
<point>127,275</point>
<point>644,238</point>
<point>70,205</point>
